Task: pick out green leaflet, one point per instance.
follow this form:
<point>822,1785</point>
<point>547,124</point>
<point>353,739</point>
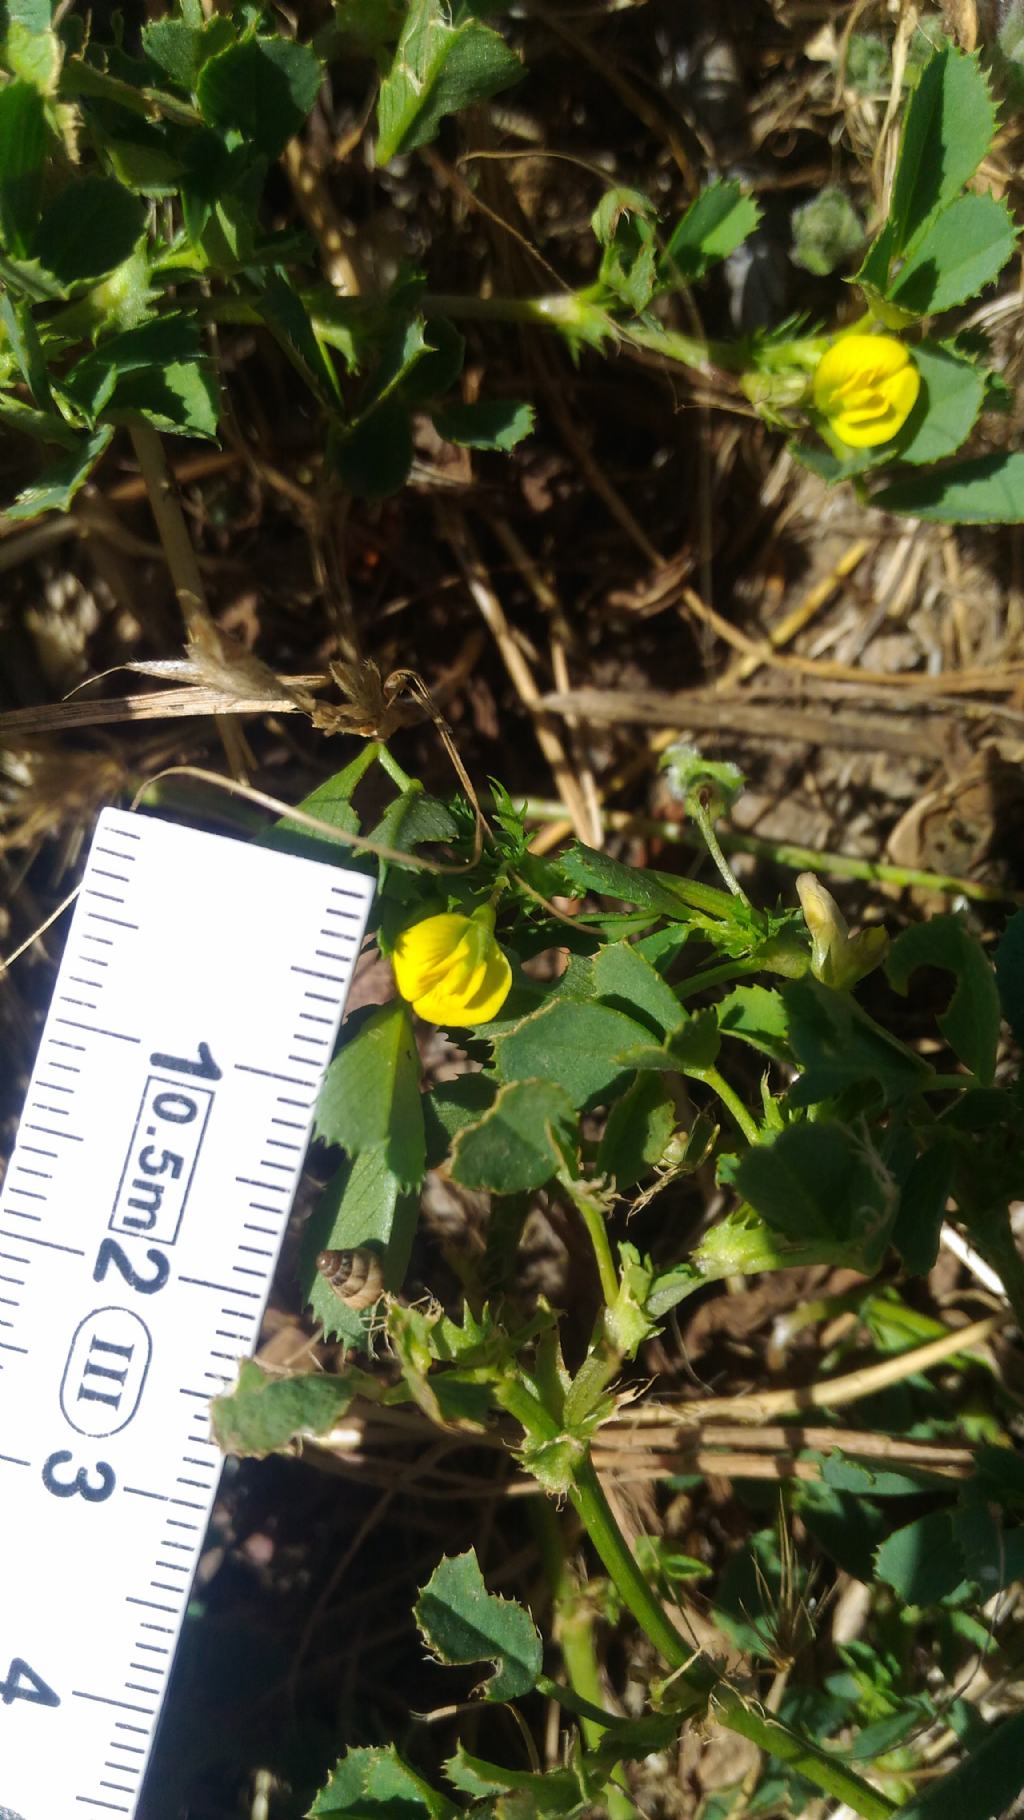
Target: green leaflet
<point>461,1622</point>
<point>970,1023</point>
<point>519,1141</point>
<point>438,68</point>
<point>265,1411</point>
<point>370,1098</point>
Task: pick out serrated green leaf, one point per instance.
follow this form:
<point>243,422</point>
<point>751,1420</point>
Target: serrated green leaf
<point>438,68</point>
<point>363,1204</point>
<point>949,127</point>
<point>554,1792</point>
<point>181,398</point>
<point>837,1045</point>
<point>578,1044</point>
<point>624,979</point>
<point>265,1411</point>
<point>413,818</point>
<point>1010,973</point>
<point>970,1023</point>
<point>493,423</point>
<point>639,1127</point>
<point>174,47</point>
<point>958,254</point>
<point>515,1145</point>
<point>370,1098</point>
<point>88,230</point>
<point>951,396</point>
<point>22,153</point>
<point>923,1562</point>
<point>758,1016</point>
<point>375,1784</point>
<point>461,1623</point>
<point>449,1107</point>
<point>151,347</point>
<point>586,869</point>
<point>820,1182</point>
<point>713,226</point>
<point>264,88</point>
<point>56,486</point>
<point>988,490</point>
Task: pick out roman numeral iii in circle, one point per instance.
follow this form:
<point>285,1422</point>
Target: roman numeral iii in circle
<point>105,1373</point>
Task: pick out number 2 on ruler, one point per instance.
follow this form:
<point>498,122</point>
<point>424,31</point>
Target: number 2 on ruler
<point>96,1484</point>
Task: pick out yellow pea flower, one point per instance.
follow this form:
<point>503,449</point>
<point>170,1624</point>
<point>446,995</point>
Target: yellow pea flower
<point>867,386</point>
<point>450,968</point>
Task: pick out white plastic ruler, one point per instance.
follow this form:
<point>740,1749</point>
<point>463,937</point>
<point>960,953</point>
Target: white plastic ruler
<point>194,1014</point>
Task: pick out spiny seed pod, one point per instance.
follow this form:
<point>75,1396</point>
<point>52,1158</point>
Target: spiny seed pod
<point>356,1276</point>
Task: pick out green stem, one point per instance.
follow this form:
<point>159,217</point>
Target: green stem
<point>592,1214</point>
<point>736,1713</point>
<point>394,770</point>
<point>704,823</point>
<point>783,853</point>
<point>730,1100</point>
<point>715,976</point>
<point>574,1634</point>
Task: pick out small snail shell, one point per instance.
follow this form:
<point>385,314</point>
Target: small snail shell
<point>356,1276</point>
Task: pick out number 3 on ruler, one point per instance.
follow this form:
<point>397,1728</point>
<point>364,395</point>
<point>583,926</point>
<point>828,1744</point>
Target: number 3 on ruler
<point>23,1683</point>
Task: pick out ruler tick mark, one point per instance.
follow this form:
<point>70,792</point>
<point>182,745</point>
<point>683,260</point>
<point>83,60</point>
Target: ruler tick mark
<point>269,1074</point>
<point>313,973</point>
<point>26,1238</point>
<point>10,1460</point>
<point>137,1491</point>
<point>97,1030</point>
<point>202,1283</point>
<point>151,1605</point>
<point>48,1131</point>
<point>126,1706</point>
<point>97,917</point>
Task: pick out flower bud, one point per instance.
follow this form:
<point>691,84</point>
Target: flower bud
<point>837,958</point>
<point>451,970</point>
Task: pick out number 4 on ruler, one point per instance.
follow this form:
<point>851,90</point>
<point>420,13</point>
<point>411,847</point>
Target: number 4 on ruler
<point>22,1683</point>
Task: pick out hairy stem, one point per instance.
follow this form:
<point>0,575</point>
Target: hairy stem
<point>592,1214</point>
<point>735,1712</point>
<point>730,1100</point>
<point>710,838</point>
